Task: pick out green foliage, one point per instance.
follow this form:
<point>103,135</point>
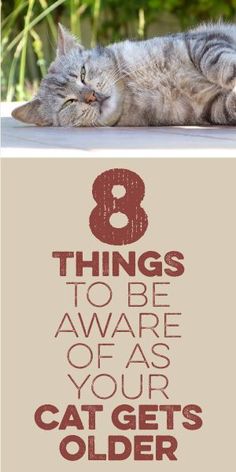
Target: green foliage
<point>29,29</point>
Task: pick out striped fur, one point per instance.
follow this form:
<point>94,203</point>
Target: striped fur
<point>179,79</point>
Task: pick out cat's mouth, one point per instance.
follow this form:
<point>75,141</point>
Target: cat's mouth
<point>103,104</point>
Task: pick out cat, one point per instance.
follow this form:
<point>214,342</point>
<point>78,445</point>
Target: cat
<point>179,79</point>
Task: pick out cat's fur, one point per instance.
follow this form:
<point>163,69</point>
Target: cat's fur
<point>179,79</point>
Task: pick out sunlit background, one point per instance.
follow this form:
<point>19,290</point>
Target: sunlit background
<point>29,30</point>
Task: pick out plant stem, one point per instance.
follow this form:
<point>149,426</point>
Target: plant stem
<point>11,86</point>
<point>96,14</point>
<point>21,93</point>
<point>33,23</point>
<point>141,23</point>
<point>44,5</point>
<point>9,20</point>
<point>75,17</point>
<point>38,49</point>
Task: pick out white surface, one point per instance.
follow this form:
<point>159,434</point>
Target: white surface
<point>20,140</point>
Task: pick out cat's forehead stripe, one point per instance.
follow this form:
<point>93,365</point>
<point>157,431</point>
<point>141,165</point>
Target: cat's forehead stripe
<point>56,80</point>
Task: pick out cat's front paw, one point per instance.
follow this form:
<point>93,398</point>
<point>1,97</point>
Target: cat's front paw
<point>230,105</point>
<point>229,77</point>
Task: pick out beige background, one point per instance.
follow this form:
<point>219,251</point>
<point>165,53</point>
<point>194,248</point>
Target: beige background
<point>191,208</point>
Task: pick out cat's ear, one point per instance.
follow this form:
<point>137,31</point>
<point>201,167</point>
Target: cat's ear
<point>31,113</point>
<point>66,41</point>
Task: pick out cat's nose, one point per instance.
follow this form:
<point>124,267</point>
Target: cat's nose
<point>90,97</point>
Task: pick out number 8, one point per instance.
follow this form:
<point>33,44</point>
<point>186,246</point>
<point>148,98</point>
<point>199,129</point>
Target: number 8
<point>129,204</point>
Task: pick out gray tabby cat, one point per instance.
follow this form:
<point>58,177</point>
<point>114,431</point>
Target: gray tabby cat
<point>180,79</point>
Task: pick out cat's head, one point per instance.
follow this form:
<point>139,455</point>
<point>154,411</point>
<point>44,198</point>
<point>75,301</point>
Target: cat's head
<point>82,88</point>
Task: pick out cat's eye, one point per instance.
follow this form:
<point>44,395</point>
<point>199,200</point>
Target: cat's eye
<point>68,102</point>
<point>83,75</point>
